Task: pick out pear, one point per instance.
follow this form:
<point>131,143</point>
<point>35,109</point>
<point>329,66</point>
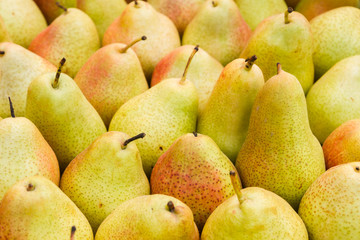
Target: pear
<point>24,152</point>
<point>149,217</point>
<point>292,3</point>
<point>140,18</point>
<point>110,77</point>
<point>62,38</point>
<point>4,35</point>
<point>254,213</point>
<point>195,171</point>
<point>280,153</point>
<point>284,38</point>
<point>165,112</point>
<point>23,20</point>
<point>330,207</point>
<point>204,72</point>
<point>18,67</point>
<point>50,8</point>
<point>66,119</point>
<point>226,116</point>
<point>35,208</point>
<point>219,29</point>
<point>104,175</point>
<point>335,97</point>
<point>336,35</point>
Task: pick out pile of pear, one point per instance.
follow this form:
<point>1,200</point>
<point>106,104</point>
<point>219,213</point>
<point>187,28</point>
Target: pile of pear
<point>179,119</point>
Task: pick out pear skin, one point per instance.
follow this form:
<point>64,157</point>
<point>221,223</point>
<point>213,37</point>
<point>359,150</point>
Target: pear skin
<point>4,35</point>
<point>51,10</point>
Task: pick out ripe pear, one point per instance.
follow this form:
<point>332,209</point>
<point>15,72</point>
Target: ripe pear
<point>254,213</point>
<point>226,116</point>
<point>280,153</point>
<point>204,72</point>
<point>336,35</point>
<point>104,175</point>
<point>330,208</point>
<point>165,112</point>
<point>51,10</point>
<point>335,97</point>
<point>65,118</point>
<point>62,38</point>
<point>284,38</point>
<point>4,35</point>
<point>140,18</point>
<point>219,29</point>
<point>149,217</point>
<point>18,67</point>
<point>35,208</point>
<point>110,77</point>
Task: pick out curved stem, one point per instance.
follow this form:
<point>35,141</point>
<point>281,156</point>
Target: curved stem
<point>250,61</point>
<point>235,181</point>
<point>183,78</point>
<point>72,235</point>
<point>278,65</point>
<point>289,10</point>
<point>11,108</point>
<point>61,6</point>
<point>171,206</point>
<point>141,135</point>
<point>143,38</point>
<point>55,84</point>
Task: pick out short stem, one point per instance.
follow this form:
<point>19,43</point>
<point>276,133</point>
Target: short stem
<point>289,10</point>
<point>72,235</point>
<point>250,61</point>
<point>188,63</point>
<point>278,65</point>
<point>55,84</point>
<point>11,108</point>
<point>143,38</point>
<point>195,134</point>
<point>61,6</point>
<point>141,135</point>
<point>235,181</point>
<point>171,206</point>
<point>30,187</point>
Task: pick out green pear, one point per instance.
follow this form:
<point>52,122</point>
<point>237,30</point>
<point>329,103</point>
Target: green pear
<point>23,20</point>
<point>226,116</point>
<point>51,10</point>
<point>292,3</point>
<point>254,213</point>
<point>140,18</point>
<point>4,35</point>
<point>68,122</point>
<point>284,38</point>
<point>219,29</point>
<point>336,35</point>
<point>18,67</point>
<point>335,97</point>
<point>62,38</point>
<point>330,207</point>
<point>110,77</point>
<point>35,208</point>
<point>280,153</point>
<point>204,72</point>
<point>104,175</point>
<point>165,112</point>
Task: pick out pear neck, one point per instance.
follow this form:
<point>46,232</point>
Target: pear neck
<point>183,78</point>
<point>250,62</point>
<point>126,142</point>
<point>235,181</point>
<point>12,112</point>
<point>289,10</point>
<point>55,84</point>
<point>123,50</point>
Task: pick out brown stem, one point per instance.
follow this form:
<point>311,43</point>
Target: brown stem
<point>30,187</point>
<point>171,206</point>
<point>235,181</point>
<point>55,84</point>
<point>250,61</point>
<point>143,38</point>
<point>188,63</point>
<point>278,65</point>
<point>11,108</point>
<point>289,10</point>
<point>136,4</point>
<point>141,135</point>
<point>72,235</point>
<point>214,3</point>
<point>195,134</point>
<point>61,6</point>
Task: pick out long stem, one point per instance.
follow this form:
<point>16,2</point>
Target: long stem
<point>188,63</point>
<point>141,135</point>
<point>61,6</point>
<point>72,235</point>
<point>235,181</point>
<point>143,38</point>
<point>250,61</point>
<point>55,84</point>
<point>289,10</point>
<point>278,65</point>
<point>11,108</point>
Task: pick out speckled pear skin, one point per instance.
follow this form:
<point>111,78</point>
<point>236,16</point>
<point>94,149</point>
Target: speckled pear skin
<point>280,153</point>
<point>72,35</point>
<point>50,10</point>
<point>290,44</point>
<point>143,19</point>
<point>43,213</point>
<point>262,215</point>
<point>195,171</point>
<point>219,29</point>
<point>226,116</point>
<point>204,72</point>
<point>4,35</point>
<point>65,118</point>
<point>336,35</point>
<point>330,208</point>
<point>164,112</point>
<point>23,153</point>
<point>104,175</point>
<point>335,97</point>
<point>18,67</point>
<point>110,78</point>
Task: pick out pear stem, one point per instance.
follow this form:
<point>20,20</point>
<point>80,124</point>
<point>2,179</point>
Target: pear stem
<point>141,135</point>
<point>30,187</point>
<point>188,63</point>
<point>171,206</point>
<point>136,3</point>
<point>214,3</point>
<point>55,84</point>
<point>11,108</point>
<point>278,65</point>
<point>61,6</point>
<point>2,52</point>
<point>249,62</point>
<point>195,134</point>
<point>72,235</point>
<point>289,10</point>
<point>143,38</point>
<point>235,181</point>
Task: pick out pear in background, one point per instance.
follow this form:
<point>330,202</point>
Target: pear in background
<point>254,213</point>
<point>284,38</point>
<point>4,35</point>
<point>68,122</point>
<point>62,38</point>
<point>51,10</point>
<point>335,97</point>
<point>165,112</point>
<point>204,72</point>
<point>104,175</point>
<point>280,153</point>
<point>292,3</point>
<point>195,171</point>
<point>35,208</point>
<point>110,77</point>
<point>219,29</point>
<point>330,208</point>
<point>149,217</point>
<point>254,12</point>
<point>23,20</point>
<point>18,67</point>
<point>336,35</point>
<point>140,18</point>
<point>226,116</point>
